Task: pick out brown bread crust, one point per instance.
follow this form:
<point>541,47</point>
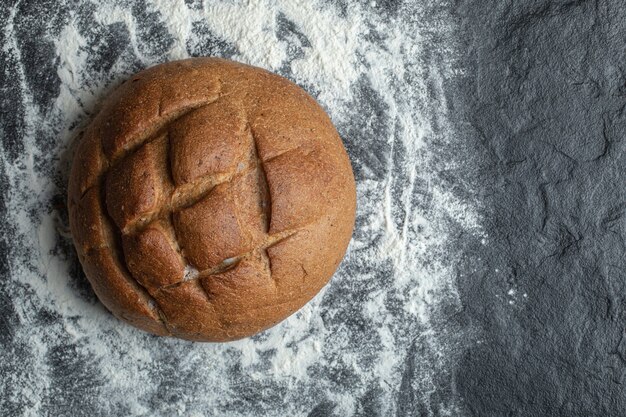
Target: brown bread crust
<point>209,200</point>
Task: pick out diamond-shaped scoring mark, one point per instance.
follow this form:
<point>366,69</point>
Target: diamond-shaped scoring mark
<point>229,220</point>
<point>222,201</point>
<point>279,168</point>
<point>196,192</point>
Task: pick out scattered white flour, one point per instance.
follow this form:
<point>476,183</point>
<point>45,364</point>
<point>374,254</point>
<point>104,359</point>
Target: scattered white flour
<point>190,272</point>
<point>394,276</point>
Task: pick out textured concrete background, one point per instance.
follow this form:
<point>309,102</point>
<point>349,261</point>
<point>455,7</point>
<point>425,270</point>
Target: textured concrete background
<point>538,107</point>
<point>543,107</point>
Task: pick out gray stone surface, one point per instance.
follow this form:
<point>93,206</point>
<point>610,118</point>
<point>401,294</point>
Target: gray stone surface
<point>543,108</point>
<point>535,100</point>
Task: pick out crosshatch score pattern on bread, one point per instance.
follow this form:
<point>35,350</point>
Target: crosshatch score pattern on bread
<point>209,200</point>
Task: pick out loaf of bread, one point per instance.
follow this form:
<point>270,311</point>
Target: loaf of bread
<point>209,200</point>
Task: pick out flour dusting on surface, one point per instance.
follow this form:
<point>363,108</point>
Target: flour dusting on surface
<point>376,341</point>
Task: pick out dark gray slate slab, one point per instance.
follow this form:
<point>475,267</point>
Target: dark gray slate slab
<point>519,105</point>
<point>544,112</point>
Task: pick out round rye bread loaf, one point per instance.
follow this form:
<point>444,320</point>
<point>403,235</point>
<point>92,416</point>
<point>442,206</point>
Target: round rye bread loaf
<point>209,200</point>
